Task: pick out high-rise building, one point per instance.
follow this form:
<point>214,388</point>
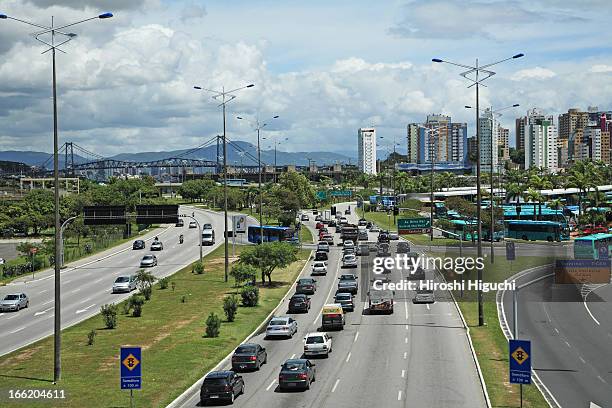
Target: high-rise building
<point>489,141</point>
<point>366,139</point>
<point>413,143</point>
<point>541,141</point>
<point>504,146</point>
<point>444,142</point>
<point>520,125</point>
<point>472,148</point>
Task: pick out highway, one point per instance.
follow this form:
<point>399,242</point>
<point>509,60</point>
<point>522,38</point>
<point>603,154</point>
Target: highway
<point>571,339</point>
<point>86,284</point>
<point>418,356</point>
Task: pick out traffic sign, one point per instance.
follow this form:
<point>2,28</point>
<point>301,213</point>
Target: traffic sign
<point>413,225</point>
<point>510,251</point>
<point>239,223</point>
<point>342,193</point>
<point>321,195</point>
<point>131,368</point>
<point>520,361</point>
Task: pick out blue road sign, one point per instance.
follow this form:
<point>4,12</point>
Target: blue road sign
<point>520,362</point>
<point>131,368</point>
<point>510,252</point>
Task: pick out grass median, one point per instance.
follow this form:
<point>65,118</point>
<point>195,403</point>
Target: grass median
<point>489,341</point>
<point>170,331</point>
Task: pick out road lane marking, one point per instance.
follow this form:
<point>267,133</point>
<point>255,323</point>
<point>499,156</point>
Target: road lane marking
<point>399,395</point>
<point>86,300</point>
<point>17,330</point>
<point>292,357</point>
<point>589,311</point>
<point>12,317</point>
<point>406,307</point>
<point>557,330</point>
<point>403,373</point>
<point>46,303</point>
<point>582,359</point>
<point>601,379</point>
<point>43,312</point>
<point>42,291</point>
<point>76,290</point>
<point>406,327</point>
<point>271,385</point>
<point>98,280</point>
<point>405,355</point>
<point>568,345</point>
<point>348,357</point>
<point>356,337</point>
<point>335,385</point>
<point>89,307</point>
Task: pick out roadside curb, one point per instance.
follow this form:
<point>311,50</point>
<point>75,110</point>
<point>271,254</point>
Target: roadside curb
<point>503,323</point>
<point>178,401</point>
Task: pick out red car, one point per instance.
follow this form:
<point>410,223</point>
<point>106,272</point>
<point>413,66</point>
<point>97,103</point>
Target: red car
<point>590,229</point>
<point>319,225</point>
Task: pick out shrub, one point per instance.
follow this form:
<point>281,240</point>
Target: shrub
<point>250,295</point>
<point>213,325</point>
<point>183,299</point>
<point>243,273</point>
<point>173,284</point>
<point>198,267</point>
<point>136,302</point>
<point>91,337</point>
<point>230,307</point>
<point>147,291</point>
<point>109,315</point>
<point>163,283</point>
<point>126,307</point>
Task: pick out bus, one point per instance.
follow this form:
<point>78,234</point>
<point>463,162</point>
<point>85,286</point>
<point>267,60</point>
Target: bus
<point>527,214</point>
<point>537,230</point>
<point>467,230</point>
<point>596,246</point>
<point>271,233</point>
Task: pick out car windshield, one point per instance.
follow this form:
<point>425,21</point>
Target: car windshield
<point>11,297</point>
<point>315,340</point>
<point>305,281</point>
<point>278,322</point>
<point>343,296</point>
<point>122,279</point>
<point>347,277</point>
<point>424,292</point>
<point>215,381</point>
<point>147,257</point>
<point>246,349</point>
<point>319,264</point>
<point>207,234</point>
<point>298,297</point>
<point>381,294</point>
<point>293,366</point>
<point>349,257</point>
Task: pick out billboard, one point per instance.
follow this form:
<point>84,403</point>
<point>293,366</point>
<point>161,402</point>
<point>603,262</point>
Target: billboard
<point>104,215</point>
<point>581,271</point>
<point>157,214</point>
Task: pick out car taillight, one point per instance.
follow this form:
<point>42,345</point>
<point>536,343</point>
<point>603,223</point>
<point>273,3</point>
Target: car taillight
<point>302,376</point>
<point>253,358</point>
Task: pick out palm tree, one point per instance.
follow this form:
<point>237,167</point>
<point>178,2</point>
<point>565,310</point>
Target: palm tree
<point>513,190</point>
<point>555,204</point>
<point>582,176</point>
<point>536,197</point>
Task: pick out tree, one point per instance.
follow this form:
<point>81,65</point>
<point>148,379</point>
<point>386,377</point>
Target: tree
<point>536,197</point>
<point>243,273</point>
<point>109,315</point>
<point>268,257</point>
<point>230,307</point>
<point>144,282</point>
<point>513,190</point>
<point>213,325</point>
<point>299,184</point>
<point>191,190</point>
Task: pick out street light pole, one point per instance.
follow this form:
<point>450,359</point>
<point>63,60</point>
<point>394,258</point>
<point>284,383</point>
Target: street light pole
<point>53,31</point>
<point>224,97</point>
<point>476,70</point>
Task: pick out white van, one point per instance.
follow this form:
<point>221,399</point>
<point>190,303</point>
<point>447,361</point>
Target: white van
<point>208,237</point>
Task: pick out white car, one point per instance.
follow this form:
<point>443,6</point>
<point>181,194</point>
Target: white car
<point>14,302</point>
<point>124,284</point>
<point>323,246</point>
<point>193,224</point>
<point>283,326</point>
<point>157,246</point>
<point>349,261</point>
<point>348,244</point>
<point>148,261</point>
<point>374,228</point>
<point>319,268</point>
<point>317,344</point>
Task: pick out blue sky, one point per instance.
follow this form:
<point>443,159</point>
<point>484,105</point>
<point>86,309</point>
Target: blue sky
<point>325,67</point>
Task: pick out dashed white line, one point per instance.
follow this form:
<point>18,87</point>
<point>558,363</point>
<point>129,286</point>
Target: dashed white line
<point>406,327</point>
<point>42,291</point>
<point>601,379</point>
<point>348,357</point>
<point>271,385</point>
<point>335,385</point>
<point>86,300</point>
<point>76,290</point>
<point>403,373</point>
<point>50,301</point>
<point>98,280</point>
<point>582,359</point>
<point>428,308</point>
<point>17,330</point>
<point>406,340</point>
<point>568,345</point>
<point>12,317</point>
<point>405,355</point>
<point>356,337</point>
<point>557,330</point>
<point>399,395</point>
<point>292,357</point>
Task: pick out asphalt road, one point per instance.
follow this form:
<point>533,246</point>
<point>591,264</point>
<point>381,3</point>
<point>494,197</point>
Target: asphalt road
<point>418,356</point>
<point>571,341</point>
<point>86,284</point>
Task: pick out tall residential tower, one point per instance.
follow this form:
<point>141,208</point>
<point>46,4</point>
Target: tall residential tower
<point>366,139</point>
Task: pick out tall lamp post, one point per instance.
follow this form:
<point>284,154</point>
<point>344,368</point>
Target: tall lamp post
<point>432,159</point>
<point>47,36</point>
<point>473,74</point>
<point>492,226</point>
<point>276,143</point>
<point>258,126</point>
<point>224,97</point>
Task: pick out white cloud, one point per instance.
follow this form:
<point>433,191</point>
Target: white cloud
<point>601,68</point>
<point>533,73</point>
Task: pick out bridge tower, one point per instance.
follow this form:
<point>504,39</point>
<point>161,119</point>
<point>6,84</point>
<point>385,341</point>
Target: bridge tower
<point>69,159</point>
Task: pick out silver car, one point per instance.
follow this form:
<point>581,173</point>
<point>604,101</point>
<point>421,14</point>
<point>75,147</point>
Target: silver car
<point>349,261</point>
<point>157,246</point>
<point>14,302</point>
<point>424,296</point>
<point>148,261</point>
<point>281,326</point>
<point>124,284</point>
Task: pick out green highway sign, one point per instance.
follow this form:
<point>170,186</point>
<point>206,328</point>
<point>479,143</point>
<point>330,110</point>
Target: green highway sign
<point>413,225</point>
<point>321,195</point>
<point>342,193</point>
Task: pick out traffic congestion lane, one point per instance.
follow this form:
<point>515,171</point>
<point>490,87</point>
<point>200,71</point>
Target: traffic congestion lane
<point>86,286</point>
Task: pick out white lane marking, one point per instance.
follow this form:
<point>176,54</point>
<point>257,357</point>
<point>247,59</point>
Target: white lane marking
<point>582,359</point>
<point>348,357</point>
<point>403,373</point>
<point>406,327</point>
<point>335,385</point>
<point>271,385</point>
<point>65,282</point>
<point>98,280</point>
<point>85,300</point>
<point>292,357</point>
<point>17,330</point>
<point>76,290</point>
<point>356,337</point>
<point>46,303</point>
<point>601,379</point>
<point>557,330</point>
<point>568,345</point>
<point>42,291</point>
<point>406,307</point>
<point>406,340</point>
<point>405,355</point>
<point>399,395</point>
<point>43,312</point>
<point>586,306</point>
<point>89,307</point>
<point>428,308</point>
<point>12,317</point>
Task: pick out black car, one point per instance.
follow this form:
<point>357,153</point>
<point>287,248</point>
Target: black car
<point>402,247</point>
<point>306,286</point>
<point>321,256</point>
<point>383,237</point>
<point>345,299</point>
<point>332,223</point>
<point>299,303</point>
<point>362,222</point>
<point>179,223</point>
<point>139,244</point>
<point>249,356</point>
<point>296,373</point>
<point>221,385</point>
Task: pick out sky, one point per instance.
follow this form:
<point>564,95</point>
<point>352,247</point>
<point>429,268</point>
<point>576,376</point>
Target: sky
<point>326,68</point>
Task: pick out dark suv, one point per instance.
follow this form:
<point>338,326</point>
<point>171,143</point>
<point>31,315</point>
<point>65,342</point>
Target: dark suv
<point>221,385</point>
<point>138,244</point>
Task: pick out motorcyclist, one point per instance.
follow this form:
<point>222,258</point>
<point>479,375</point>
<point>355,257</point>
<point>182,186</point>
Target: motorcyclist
<point>156,239</point>
<point>193,213</point>
<point>181,239</point>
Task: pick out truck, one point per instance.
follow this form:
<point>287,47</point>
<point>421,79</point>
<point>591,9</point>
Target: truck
<point>332,317</point>
<point>326,216</point>
<point>350,232</point>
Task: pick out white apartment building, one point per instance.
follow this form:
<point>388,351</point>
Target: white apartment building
<point>489,140</point>
<point>541,144</point>
<point>366,139</point>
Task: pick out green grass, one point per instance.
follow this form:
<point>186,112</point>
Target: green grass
<point>381,219</point>
<point>305,236</point>
<point>423,239</point>
<point>175,351</point>
<point>489,341</point>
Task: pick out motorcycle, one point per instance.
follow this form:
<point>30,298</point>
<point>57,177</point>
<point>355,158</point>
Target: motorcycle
<point>180,239</point>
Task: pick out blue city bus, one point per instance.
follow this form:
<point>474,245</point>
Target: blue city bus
<point>596,246</point>
<point>271,233</point>
<point>467,230</point>
<point>536,230</point>
<point>528,214</point>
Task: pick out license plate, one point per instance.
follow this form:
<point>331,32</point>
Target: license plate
<point>214,396</point>
<point>242,365</point>
<point>291,384</point>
